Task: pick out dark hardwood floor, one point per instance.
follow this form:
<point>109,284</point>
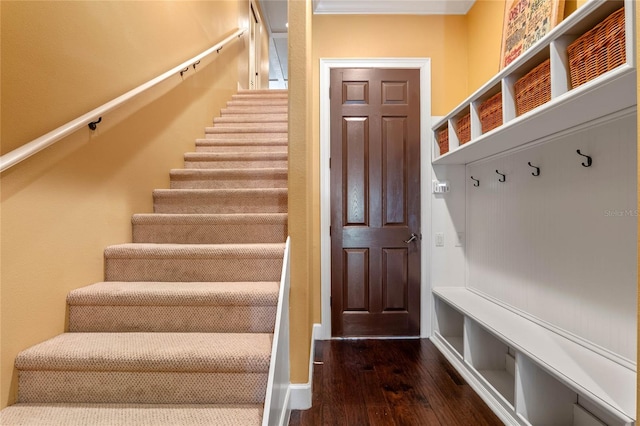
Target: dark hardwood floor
<point>389,382</point>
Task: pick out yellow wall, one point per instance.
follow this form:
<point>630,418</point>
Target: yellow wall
<point>62,207</point>
<point>484,39</point>
<point>441,38</point>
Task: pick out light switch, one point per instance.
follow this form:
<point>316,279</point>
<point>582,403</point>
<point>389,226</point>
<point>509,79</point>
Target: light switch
<point>439,239</point>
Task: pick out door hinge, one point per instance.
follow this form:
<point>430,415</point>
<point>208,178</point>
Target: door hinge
<point>329,162</point>
<point>329,230</point>
<point>330,301</point>
<point>329,92</point>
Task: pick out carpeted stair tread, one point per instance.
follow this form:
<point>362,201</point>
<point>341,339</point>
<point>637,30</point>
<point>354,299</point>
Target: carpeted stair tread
<point>276,109</point>
<point>220,201</point>
<point>228,178</point>
<point>258,102</point>
<point>244,140</point>
<point>265,92</point>
<point>277,144</point>
<point>150,352</point>
<point>235,160</point>
<point>248,124</point>
<point>235,156</point>
<point>186,307</point>
<point>210,219</point>
<point>251,118</point>
<point>265,128</point>
<point>193,262</point>
<point>194,251</point>
<point>275,172</point>
<point>210,228</point>
<point>33,414</point>
<point>251,95</point>
<point>123,293</point>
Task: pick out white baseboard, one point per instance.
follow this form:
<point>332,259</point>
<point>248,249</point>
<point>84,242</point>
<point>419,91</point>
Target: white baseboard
<point>301,393</point>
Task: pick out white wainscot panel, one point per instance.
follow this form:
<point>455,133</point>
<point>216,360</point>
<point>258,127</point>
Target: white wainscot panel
<point>561,246</point>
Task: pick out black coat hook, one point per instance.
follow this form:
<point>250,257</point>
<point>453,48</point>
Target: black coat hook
<point>476,180</point>
<point>537,172</point>
<point>183,71</point>
<point>589,160</point>
<point>195,63</point>
<point>94,124</point>
<point>503,178</point>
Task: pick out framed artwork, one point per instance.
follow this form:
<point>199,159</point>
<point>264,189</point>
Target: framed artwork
<point>525,22</point>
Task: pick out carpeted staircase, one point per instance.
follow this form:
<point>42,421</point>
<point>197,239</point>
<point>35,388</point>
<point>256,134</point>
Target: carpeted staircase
<point>180,332</point>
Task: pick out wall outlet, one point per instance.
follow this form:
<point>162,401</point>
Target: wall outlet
<point>439,239</point>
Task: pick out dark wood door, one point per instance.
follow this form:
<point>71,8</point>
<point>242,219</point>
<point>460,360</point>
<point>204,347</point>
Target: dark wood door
<point>375,202</point>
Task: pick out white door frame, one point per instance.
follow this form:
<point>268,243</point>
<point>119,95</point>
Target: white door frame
<point>254,45</point>
<point>424,65</point>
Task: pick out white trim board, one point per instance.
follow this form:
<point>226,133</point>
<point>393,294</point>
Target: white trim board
<point>397,7</point>
<point>301,393</point>
<point>424,65</point>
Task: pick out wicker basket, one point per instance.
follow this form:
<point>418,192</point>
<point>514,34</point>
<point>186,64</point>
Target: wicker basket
<point>443,140</point>
<point>491,113</point>
<point>463,128</point>
<point>599,50</point>
<point>534,89</point>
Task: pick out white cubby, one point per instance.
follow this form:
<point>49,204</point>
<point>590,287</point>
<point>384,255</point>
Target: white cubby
<point>542,399</point>
<point>450,325</point>
<point>568,107</point>
<point>552,372</point>
<point>490,357</point>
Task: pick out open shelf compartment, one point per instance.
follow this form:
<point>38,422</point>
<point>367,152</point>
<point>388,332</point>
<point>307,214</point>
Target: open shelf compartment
<point>491,358</point>
<point>543,400</point>
<point>449,324</point>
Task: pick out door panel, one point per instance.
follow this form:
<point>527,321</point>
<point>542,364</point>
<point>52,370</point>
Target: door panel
<point>355,152</point>
<point>375,202</point>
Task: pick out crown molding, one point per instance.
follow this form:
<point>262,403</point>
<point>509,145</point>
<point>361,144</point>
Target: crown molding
<point>395,7</point>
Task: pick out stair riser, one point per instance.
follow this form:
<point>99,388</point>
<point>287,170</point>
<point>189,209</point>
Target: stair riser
<point>230,183</point>
<point>267,164</point>
<point>209,234</point>
<point>141,387</point>
<point>182,319</point>
<point>169,270</point>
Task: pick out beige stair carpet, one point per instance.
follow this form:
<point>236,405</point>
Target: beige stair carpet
<point>181,330</point>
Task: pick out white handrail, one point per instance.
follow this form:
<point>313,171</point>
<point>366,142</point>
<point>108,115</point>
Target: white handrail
<point>27,150</point>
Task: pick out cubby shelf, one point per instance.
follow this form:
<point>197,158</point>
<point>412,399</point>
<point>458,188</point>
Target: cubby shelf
<point>572,369</point>
<point>606,94</point>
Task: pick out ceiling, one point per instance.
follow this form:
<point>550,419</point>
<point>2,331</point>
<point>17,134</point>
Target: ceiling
<point>275,16</point>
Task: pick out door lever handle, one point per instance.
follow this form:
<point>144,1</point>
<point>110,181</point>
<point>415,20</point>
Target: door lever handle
<point>412,238</point>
